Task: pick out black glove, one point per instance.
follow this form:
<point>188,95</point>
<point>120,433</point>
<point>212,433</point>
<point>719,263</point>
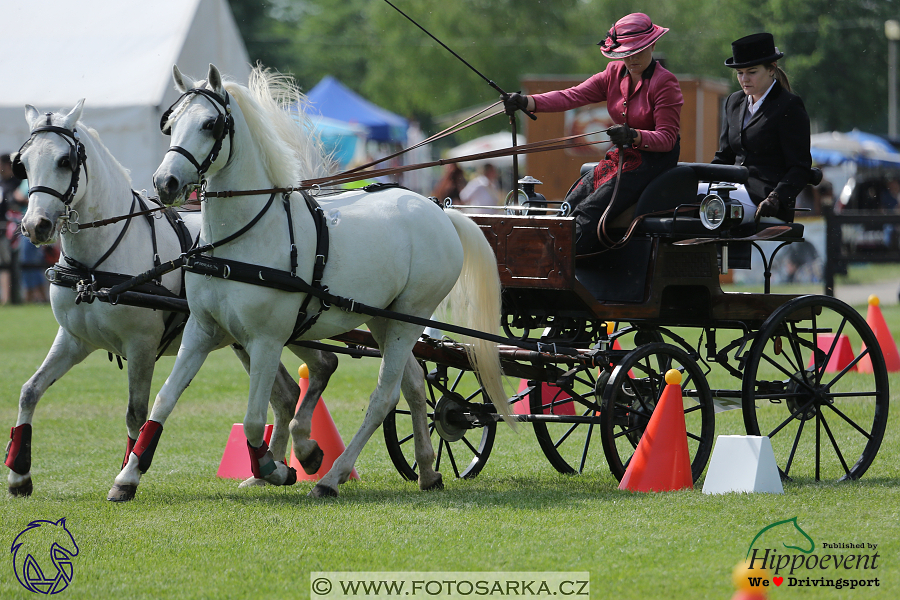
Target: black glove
<point>768,207</point>
<point>621,135</point>
<point>514,102</point>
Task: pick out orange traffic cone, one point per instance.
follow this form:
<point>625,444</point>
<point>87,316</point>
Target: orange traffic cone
<point>235,463</point>
<point>885,340</point>
<point>324,431</point>
<point>840,358</point>
<point>661,462</point>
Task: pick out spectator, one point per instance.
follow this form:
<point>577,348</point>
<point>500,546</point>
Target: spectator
<point>482,190</point>
<point>451,184</point>
<point>11,200</point>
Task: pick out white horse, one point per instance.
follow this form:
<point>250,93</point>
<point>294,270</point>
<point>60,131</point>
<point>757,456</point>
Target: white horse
<point>389,249</point>
<point>61,154</point>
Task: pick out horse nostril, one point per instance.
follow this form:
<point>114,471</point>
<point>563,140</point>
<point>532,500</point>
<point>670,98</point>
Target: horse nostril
<point>172,185</point>
<point>43,229</point>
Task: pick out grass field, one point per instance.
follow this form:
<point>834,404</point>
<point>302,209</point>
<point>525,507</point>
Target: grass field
<point>191,535</point>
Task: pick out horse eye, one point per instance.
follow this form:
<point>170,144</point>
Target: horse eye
<point>208,126</point>
<point>63,163</point>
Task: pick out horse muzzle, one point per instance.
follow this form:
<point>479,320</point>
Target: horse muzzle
<point>38,228</point>
<point>171,190</point>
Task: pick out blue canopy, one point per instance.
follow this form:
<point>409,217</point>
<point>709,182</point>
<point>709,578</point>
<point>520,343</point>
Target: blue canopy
<point>856,147</point>
<point>334,100</point>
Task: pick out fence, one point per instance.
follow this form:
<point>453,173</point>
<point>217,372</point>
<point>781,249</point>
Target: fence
<point>859,236</point>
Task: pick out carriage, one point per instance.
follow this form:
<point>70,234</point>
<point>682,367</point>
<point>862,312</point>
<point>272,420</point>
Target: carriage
<point>583,391</point>
<point>591,339</point>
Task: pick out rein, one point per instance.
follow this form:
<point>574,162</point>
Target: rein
<point>572,141</point>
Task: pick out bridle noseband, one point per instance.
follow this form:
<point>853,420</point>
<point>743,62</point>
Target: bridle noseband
<point>224,125</point>
<point>77,159</point>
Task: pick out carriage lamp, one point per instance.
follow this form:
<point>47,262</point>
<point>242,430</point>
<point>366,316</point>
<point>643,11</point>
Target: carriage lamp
<point>526,197</point>
<point>716,213</point>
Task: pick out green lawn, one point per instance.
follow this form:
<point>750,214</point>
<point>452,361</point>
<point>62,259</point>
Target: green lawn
<point>191,535</point>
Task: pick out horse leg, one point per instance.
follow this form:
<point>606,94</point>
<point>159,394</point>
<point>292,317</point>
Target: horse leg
<point>282,400</point>
<point>396,340</point>
<point>321,366</point>
<point>141,362</point>
<point>196,345</point>
<point>413,386</point>
<point>265,368</point>
<point>66,352</point>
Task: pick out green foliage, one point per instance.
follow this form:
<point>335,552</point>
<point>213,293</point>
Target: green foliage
<point>836,52</point>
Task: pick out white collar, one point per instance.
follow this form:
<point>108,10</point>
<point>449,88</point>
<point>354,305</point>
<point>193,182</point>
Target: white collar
<point>752,106</point>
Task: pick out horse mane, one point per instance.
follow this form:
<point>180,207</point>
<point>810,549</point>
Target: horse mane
<point>112,163</point>
<point>276,113</point>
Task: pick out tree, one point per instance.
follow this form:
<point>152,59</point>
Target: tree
<point>835,51</point>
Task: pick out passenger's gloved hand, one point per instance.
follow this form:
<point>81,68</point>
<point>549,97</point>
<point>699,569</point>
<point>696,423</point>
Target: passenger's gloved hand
<point>621,135</point>
<point>768,207</point>
<point>514,102</point>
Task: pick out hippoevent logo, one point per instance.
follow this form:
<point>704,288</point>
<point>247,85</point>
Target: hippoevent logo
<point>42,556</point>
<point>784,555</point>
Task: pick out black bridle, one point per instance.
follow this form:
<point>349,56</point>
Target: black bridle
<point>77,159</point>
<point>222,126</point>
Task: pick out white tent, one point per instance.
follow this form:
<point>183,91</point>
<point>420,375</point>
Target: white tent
<point>489,143</point>
<point>118,56</point>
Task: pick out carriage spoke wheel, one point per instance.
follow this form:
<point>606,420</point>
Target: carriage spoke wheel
<point>462,441</point>
<point>631,395</point>
<point>572,442</point>
<point>816,384</point>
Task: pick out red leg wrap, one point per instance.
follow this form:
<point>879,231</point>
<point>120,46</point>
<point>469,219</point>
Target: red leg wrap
<point>146,443</point>
<point>261,461</point>
<point>18,450</point>
<point>129,446</point>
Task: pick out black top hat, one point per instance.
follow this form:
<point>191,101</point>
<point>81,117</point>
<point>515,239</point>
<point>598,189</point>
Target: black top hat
<point>754,49</point>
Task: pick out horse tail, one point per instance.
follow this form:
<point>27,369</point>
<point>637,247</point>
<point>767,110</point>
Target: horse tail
<point>475,301</point>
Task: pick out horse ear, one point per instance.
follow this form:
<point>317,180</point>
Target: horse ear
<point>214,79</point>
<point>182,82</point>
<point>74,115</point>
<point>31,115</point>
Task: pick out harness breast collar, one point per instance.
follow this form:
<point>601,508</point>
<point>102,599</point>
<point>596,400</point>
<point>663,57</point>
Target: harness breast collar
<point>288,281</point>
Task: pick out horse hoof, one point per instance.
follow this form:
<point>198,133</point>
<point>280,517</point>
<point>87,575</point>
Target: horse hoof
<point>122,493</point>
<point>291,478</point>
<point>323,491</point>
<point>21,491</point>
<point>437,484</point>
<point>252,482</point>
<point>312,462</point>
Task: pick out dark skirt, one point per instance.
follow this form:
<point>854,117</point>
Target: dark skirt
<point>590,196</point>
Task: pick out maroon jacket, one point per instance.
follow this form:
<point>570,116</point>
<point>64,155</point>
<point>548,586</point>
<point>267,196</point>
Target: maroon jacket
<point>654,107</point>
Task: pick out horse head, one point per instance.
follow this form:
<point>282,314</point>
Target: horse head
<point>52,159</point>
<point>783,534</point>
<point>200,123</point>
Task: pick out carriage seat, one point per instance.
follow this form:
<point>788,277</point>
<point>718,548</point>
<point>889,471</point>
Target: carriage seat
<point>677,187</point>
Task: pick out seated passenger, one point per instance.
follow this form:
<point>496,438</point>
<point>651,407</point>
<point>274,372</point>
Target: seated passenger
<point>644,100</point>
<point>766,129</point>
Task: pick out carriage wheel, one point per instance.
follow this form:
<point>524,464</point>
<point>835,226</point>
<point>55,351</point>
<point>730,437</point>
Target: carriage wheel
<point>821,415</point>
<point>630,397</point>
<point>460,439</point>
<point>571,444</point>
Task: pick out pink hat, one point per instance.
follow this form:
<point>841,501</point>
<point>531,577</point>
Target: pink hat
<point>630,35</point>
